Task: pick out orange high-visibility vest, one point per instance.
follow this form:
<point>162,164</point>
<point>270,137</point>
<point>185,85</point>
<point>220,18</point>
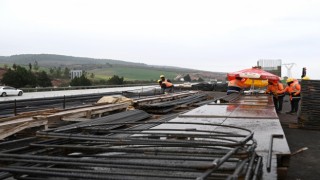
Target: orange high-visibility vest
<point>236,83</point>
<point>275,88</point>
<point>294,88</point>
<point>168,84</point>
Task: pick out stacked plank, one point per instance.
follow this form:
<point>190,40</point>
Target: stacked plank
<point>165,107</point>
<point>310,106</point>
<point>53,118</point>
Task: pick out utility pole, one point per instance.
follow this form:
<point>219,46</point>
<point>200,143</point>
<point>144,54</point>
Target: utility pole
<point>289,67</point>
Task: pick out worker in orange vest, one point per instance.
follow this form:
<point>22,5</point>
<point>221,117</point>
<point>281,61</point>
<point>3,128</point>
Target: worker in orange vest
<point>293,89</point>
<point>236,85</point>
<point>166,85</point>
<point>275,88</point>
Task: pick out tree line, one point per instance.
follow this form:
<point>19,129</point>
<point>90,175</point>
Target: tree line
<point>19,77</point>
<point>30,76</point>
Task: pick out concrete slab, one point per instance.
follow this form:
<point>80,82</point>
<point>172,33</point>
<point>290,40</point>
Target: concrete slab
<point>255,113</point>
<point>192,126</point>
<point>263,129</point>
<point>210,111</point>
<point>252,111</point>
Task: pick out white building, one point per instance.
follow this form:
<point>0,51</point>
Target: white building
<point>75,73</point>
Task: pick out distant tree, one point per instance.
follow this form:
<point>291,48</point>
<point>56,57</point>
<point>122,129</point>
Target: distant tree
<point>85,73</point>
<point>85,81</point>
<point>66,72</point>
<point>75,81</point>
<point>21,77</point>
<point>9,78</point>
<point>92,75</point>
<point>200,79</point>
<point>36,66</point>
<point>51,71</point>
<point>30,66</point>
<point>187,78</point>
<point>80,81</point>
<point>103,81</point>
<point>116,80</point>
<point>14,66</point>
<point>43,79</point>
<point>58,72</point>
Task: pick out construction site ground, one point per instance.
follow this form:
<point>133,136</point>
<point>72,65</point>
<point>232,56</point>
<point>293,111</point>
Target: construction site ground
<point>304,165</point>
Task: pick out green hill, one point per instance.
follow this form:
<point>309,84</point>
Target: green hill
<point>57,60</point>
<point>102,68</point>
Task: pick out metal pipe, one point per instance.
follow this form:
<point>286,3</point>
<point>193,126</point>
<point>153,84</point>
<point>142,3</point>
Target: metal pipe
<point>256,174</point>
<point>250,167</point>
<point>269,158</point>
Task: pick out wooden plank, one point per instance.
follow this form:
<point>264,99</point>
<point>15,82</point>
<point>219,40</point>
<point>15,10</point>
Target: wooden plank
<point>16,121</point>
<point>29,114</point>
<point>10,131</point>
<point>161,98</point>
<point>88,114</point>
<point>74,119</point>
<point>13,125</point>
<point>82,112</point>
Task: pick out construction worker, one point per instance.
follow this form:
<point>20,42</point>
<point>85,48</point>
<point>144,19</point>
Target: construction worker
<point>293,88</point>
<point>236,85</point>
<point>275,88</point>
<point>166,85</point>
<point>306,78</point>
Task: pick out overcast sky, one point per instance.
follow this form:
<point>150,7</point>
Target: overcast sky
<point>213,35</point>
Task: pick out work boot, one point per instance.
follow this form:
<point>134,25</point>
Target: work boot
<point>290,112</point>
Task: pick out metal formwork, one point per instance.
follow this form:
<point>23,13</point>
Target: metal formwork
<point>254,112</point>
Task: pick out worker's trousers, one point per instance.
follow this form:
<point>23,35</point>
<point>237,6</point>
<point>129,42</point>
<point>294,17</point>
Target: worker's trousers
<point>278,101</point>
<point>295,104</point>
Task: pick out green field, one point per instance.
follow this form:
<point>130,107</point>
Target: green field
<point>132,73</point>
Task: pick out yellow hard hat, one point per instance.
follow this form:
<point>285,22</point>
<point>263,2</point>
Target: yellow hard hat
<point>161,76</point>
<point>306,78</point>
<point>289,80</point>
<point>159,81</point>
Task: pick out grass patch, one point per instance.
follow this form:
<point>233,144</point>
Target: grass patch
<point>132,73</point>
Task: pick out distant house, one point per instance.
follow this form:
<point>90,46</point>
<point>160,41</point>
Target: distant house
<point>75,73</point>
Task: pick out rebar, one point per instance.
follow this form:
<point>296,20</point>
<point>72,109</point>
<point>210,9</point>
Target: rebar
<point>128,146</point>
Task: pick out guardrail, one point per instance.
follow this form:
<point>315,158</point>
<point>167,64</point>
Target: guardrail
<point>81,87</point>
